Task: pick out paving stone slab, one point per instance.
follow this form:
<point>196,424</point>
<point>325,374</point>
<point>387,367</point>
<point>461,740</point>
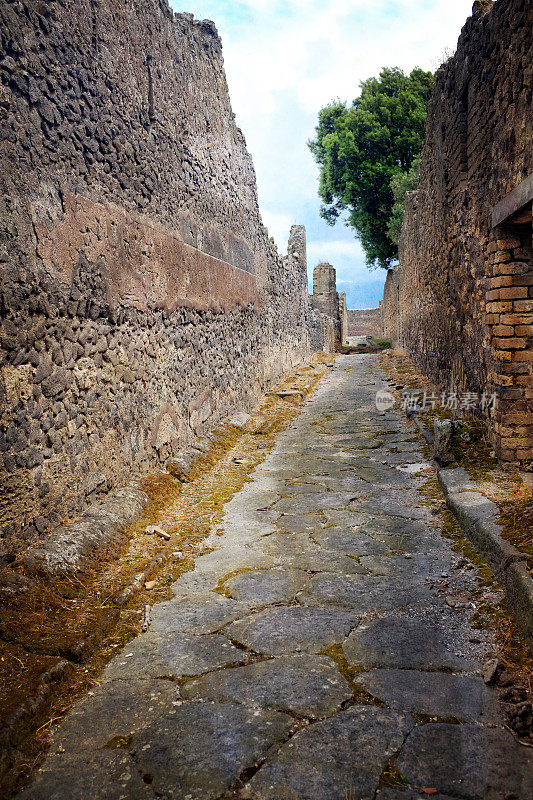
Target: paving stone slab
<point>113,710</point>
<point>468,760</point>
<point>305,684</point>
<point>347,542</point>
<point>267,586</point>
<point>301,523</point>
<point>293,543</point>
<point>439,694</point>
<point>347,518</point>
<point>154,655</point>
<point>405,642</point>
<point>362,593</point>
<point>301,465</point>
<point>105,775</point>
<point>401,543</point>
<point>202,613</point>
<point>325,561</point>
<point>415,568</point>
<point>387,458</point>
<point>299,551</point>
<point>338,759</point>
<point>395,445</point>
<point>225,558</point>
<point>376,475</point>
<point>405,535</point>
<point>289,629</point>
<point>305,487</point>
<point>312,502</point>
<point>374,524</point>
<point>345,481</point>
<point>198,750</point>
<point>398,505</point>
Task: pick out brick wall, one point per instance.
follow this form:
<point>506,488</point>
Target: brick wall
<point>142,299</point>
<point>464,287</point>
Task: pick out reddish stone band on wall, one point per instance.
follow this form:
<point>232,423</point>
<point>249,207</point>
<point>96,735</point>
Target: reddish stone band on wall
<point>146,264</point>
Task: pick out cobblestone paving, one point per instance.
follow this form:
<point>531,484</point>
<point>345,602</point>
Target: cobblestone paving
<point>311,655</point>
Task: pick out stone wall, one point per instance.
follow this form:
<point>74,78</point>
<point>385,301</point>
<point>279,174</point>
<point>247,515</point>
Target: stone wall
<point>142,299</point>
<point>364,322</point>
<point>322,332</point>
<point>390,307</point>
<point>325,323</point>
<point>343,317</point>
<point>465,303</point>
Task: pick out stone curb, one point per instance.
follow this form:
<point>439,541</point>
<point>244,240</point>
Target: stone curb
<point>100,526</point>
<point>479,518</point>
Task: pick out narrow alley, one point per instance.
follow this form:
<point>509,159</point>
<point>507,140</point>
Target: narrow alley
<point>311,655</point>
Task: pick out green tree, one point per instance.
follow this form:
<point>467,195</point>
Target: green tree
<point>400,184</point>
<point>360,148</point>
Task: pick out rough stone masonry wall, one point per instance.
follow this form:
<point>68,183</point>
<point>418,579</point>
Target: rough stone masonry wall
<point>142,300</point>
<point>326,318</point>
<point>343,317</point>
<point>364,322</point>
<point>390,307</point>
<point>465,293</point>
<point>322,332</point>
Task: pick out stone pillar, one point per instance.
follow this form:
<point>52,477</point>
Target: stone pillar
<point>297,252</point>
<point>343,318</point>
<point>325,289</point>
<point>297,247</point>
<point>325,298</point>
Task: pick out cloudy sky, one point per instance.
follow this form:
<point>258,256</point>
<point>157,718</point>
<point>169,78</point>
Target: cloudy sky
<point>285,59</point>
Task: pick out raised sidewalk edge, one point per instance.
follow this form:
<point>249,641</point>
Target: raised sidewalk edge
<point>479,518</point>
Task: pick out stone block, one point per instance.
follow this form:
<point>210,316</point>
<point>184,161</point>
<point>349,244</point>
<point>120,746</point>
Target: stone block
<point>501,307</point>
<point>524,330</point>
<point>510,343</point>
<point>503,330</point>
<point>523,355</point>
<point>503,355</point>
<point>513,293</point>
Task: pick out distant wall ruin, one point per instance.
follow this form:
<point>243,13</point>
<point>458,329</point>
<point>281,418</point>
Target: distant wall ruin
<point>461,301</point>
<point>331,322</point>
<point>325,320</point>
<point>142,299</point>
<point>364,322</point>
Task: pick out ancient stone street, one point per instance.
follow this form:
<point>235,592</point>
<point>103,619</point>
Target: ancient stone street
<point>311,655</point>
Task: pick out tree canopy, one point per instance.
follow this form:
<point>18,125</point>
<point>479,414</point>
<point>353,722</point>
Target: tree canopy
<point>360,149</point>
<point>400,184</point>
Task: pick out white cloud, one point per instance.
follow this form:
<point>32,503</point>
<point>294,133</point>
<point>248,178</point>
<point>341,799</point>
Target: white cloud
<point>285,59</point>
<point>279,225</point>
<point>322,251</point>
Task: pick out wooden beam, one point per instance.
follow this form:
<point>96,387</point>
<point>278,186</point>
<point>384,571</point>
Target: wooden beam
<point>515,201</point>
